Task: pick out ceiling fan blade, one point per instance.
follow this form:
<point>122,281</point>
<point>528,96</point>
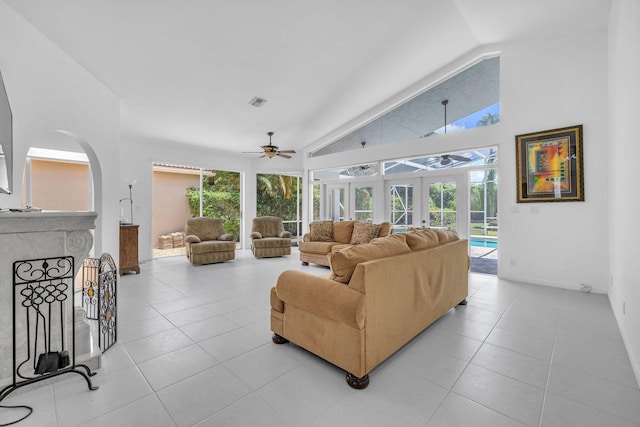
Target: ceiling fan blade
<point>283,155</point>
<point>459,158</point>
<point>288,151</point>
<point>252,152</point>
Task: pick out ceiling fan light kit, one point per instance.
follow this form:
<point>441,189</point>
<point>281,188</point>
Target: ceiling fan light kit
<point>270,151</point>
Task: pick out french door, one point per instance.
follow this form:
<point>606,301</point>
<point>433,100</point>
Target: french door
<point>445,202</point>
<point>402,199</point>
<point>337,202</point>
<point>352,201</point>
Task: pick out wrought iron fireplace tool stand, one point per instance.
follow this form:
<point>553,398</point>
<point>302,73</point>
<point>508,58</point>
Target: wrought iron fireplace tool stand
<point>43,293</point>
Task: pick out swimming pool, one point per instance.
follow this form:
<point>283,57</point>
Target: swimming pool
<point>484,242</point>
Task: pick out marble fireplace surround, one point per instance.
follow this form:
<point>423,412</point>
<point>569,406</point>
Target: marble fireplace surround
<point>32,235</point>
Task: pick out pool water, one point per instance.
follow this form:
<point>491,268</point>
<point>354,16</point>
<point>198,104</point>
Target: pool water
<point>484,242</point>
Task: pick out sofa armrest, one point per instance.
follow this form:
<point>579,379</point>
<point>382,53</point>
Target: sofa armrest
<point>285,234</point>
<point>226,237</point>
<point>255,235</point>
<point>191,238</point>
<point>306,237</point>
<point>322,296</point>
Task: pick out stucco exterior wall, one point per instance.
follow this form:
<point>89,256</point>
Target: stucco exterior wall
<point>170,206</point>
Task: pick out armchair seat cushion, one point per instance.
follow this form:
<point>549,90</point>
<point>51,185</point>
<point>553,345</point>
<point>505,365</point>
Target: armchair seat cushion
<point>272,242</point>
<point>213,246</point>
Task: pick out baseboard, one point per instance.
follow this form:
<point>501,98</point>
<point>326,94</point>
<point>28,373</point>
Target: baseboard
<point>560,285</point>
<point>635,362</point>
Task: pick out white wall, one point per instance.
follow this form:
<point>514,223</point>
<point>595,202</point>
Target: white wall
<point>136,164</point>
<point>624,203</point>
<point>545,84</point>
<point>49,93</point>
<point>550,84</point>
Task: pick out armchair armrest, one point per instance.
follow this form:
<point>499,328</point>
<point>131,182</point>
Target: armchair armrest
<point>306,237</point>
<point>191,238</point>
<point>256,235</point>
<point>322,296</point>
<point>285,234</point>
<point>226,237</point>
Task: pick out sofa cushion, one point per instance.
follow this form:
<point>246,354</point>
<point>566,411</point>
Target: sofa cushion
<point>446,236</point>
<point>321,248</point>
<point>363,232</point>
<point>385,229</point>
<point>321,231</point>
<point>340,246</point>
<point>422,239</point>
<point>344,262</point>
<point>271,242</point>
<point>209,246</point>
<point>342,231</point>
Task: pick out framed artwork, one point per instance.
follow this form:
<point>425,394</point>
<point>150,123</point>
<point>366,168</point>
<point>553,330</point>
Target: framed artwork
<point>549,166</point>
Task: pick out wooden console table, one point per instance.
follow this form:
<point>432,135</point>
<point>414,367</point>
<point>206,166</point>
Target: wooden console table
<point>129,249</point>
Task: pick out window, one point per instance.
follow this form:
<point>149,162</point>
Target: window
<point>473,100</point>
<point>460,159</point>
<point>280,195</point>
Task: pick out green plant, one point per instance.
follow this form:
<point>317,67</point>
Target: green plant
<point>220,199</point>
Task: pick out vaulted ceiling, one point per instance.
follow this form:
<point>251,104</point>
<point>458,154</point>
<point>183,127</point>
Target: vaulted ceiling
<point>186,70</point>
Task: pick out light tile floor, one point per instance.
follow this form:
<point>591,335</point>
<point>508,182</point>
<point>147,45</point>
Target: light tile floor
<point>194,348</point>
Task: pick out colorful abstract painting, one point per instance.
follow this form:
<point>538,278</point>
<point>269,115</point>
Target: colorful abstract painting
<point>550,165</point>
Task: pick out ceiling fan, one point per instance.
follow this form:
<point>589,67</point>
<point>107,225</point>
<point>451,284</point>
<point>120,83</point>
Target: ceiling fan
<point>271,150</point>
<point>446,159</point>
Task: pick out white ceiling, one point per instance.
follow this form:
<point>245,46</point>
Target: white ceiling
<point>187,69</point>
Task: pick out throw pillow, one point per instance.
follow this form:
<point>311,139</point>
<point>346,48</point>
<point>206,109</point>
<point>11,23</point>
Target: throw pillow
<point>363,232</point>
<point>321,231</point>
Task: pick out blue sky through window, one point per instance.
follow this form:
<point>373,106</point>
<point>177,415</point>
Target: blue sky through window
<point>470,121</point>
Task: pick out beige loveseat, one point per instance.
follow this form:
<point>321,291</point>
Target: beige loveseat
<point>327,236</point>
<point>378,297</point>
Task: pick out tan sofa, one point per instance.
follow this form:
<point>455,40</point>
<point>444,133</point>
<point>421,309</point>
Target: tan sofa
<point>378,297</point>
<point>316,246</point>
<point>206,242</point>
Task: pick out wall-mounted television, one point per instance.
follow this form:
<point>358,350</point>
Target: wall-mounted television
<point>6,142</point>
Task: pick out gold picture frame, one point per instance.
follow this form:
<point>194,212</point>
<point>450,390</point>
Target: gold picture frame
<point>549,166</point>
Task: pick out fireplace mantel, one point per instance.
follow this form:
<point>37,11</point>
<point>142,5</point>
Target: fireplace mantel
<point>30,235</point>
<point>31,222</point>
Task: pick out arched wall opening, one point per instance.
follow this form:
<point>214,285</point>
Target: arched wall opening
<point>62,141</point>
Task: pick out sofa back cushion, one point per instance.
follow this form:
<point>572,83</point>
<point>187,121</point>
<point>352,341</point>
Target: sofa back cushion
<point>321,231</point>
<point>342,231</point>
<point>344,262</point>
<point>422,238</point>
<point>385,229</point>
<point>446,236</point>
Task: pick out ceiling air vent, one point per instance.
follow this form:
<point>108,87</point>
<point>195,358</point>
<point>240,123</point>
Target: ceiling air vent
<point>257,101</point>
